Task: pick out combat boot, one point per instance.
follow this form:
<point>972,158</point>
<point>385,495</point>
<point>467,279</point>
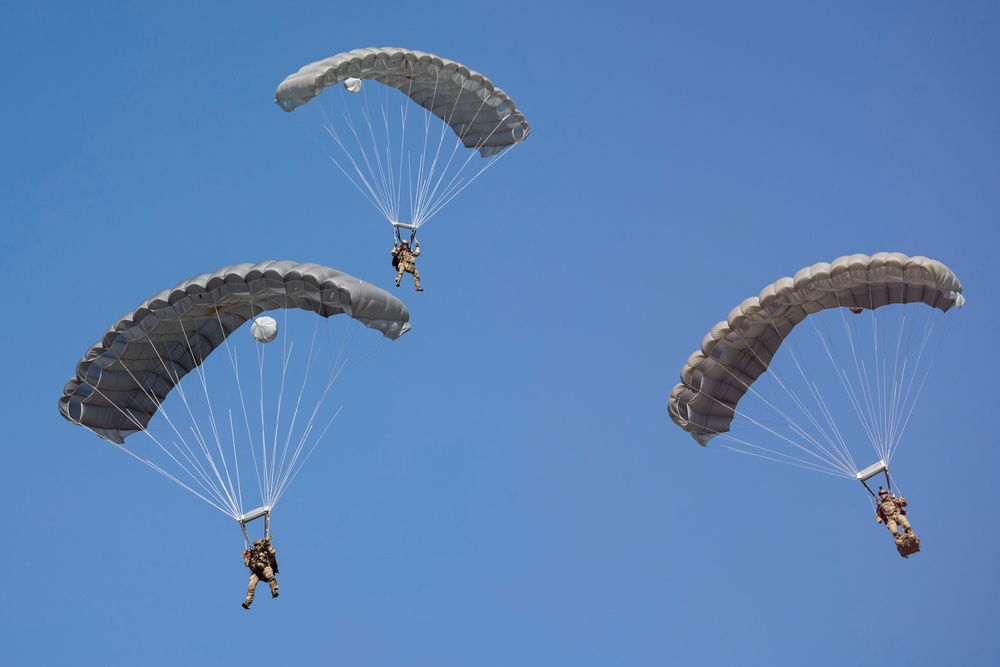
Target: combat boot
<point>246,604</point>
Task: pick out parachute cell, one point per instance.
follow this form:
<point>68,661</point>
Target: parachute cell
<point>123,378</point>
<point>482,115</point>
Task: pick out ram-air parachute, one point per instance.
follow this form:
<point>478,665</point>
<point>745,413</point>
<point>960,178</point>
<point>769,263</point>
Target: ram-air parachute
<point>392,143</point>
<point>878,325</point>
<point>230,418</point>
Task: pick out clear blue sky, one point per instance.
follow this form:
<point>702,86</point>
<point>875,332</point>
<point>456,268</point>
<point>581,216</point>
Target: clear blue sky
<point>525,498</point>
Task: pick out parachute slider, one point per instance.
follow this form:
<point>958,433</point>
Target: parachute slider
<point>255,514</point>
<point>872,470</point>
<point>404,225</point>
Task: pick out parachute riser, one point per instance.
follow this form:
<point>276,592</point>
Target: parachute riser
<point>872,471</point>
<point>253,515</point>
<point>396,235</point>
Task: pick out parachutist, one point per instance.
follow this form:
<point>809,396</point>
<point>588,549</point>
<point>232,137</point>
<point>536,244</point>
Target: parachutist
<point>891,511</point>
<point>405,261</point>
<point>260,558</point>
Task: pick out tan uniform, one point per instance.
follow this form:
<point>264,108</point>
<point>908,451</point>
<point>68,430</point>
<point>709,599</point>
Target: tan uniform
<point>260,558</point>
<point>406,262</point>
<point>890,510</point>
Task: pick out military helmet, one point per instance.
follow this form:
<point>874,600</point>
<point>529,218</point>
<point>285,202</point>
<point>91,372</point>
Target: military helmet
<point>882,491</point>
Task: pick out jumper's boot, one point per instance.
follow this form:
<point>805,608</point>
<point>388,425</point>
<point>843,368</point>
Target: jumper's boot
<point>274,587</point>
<point>246,603</point>
<point>416,281</point>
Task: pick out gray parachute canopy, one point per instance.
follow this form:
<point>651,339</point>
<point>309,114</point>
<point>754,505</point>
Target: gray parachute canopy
<point>482,115</point>
<point>122,379</point>
<point>737,351</point>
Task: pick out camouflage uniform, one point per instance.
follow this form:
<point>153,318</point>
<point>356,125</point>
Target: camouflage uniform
<point>260,558</point>
<point>890,510</point>
<point>405,261</point>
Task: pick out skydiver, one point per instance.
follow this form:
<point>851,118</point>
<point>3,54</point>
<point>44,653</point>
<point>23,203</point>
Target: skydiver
<point>891,511</point>
<point>259,557</point>
<point>405,260</point>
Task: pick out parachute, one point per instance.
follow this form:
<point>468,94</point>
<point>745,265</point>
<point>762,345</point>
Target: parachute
<point>395,146</point>
<point>133,379</point>
<point>876,319</point>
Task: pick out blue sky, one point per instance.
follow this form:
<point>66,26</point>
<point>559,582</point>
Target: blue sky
<point>518,494</point>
